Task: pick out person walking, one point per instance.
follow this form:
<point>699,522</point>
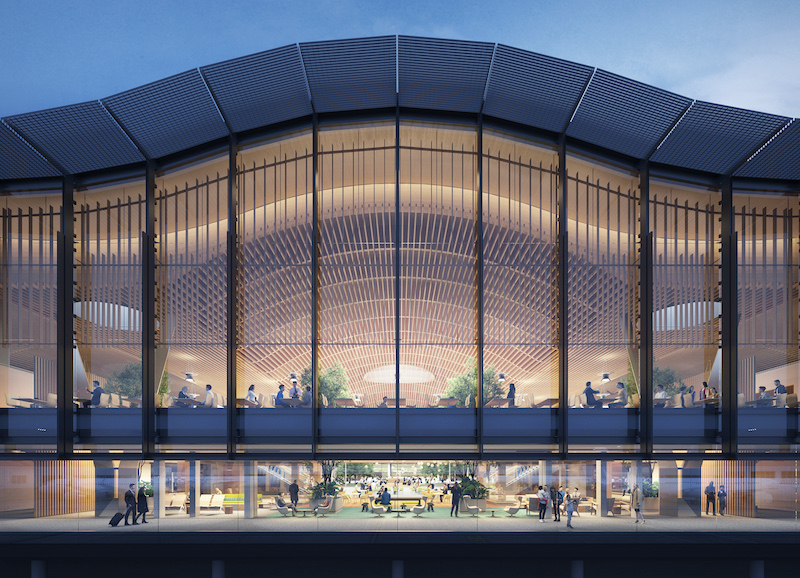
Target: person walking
<point>570,505</point>
<point>141,505</point>
<point>542,495</point>
<point>294,492</point>
<point>456,493</point>
<point>636,502</point>
<point>722,497</point>
<point>130,502</point>
<point>711,493</point>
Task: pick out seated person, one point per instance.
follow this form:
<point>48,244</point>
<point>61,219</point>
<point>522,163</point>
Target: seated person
<point>96,393</point>
<point>705,392</point>
<point>306,397</point>
<point>251,394</point>
<point>660,399</point>
<point>763,399</point>
<point>622,396</point>
<point>589,393</point>
<point>324,504</point>
<point>281,504</point>
<point>383,403</point>
<point>208,401</point>
<point>386,499</point>
<point>279,398</point>
<point>686,401</point>
<point>183,394</point>
<point>294,391</point>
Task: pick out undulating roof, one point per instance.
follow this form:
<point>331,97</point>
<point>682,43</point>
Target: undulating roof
<point>292,82</point>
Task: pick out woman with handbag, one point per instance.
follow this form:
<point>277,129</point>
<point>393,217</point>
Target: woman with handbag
<point>542,495</point>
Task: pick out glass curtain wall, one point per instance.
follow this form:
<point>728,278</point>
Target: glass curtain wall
<point>274,294</point>
<point>520,298</point>
<point>602,307</point>
<point>768,372</point>
<point>191,307</point>
<point>107,317</point>
<point>438,320</point>
<point>357,306</point>
<point>31,222</point>
<point>687,356</point>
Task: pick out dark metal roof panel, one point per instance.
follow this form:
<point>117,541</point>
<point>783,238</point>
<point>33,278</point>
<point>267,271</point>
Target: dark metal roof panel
<point>260,89</point>
<point>79,137</point>
<point>19,161</point>
<point>443,74</point>
<point>715,138</point>
<point>779,159</point>
<point>533,89</point>
<point>624,115</point>
<point>351,74</point>
<point>169,115</point>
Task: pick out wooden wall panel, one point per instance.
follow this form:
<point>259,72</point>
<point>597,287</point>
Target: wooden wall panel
<point>63,487</point>
<point>738,477</point>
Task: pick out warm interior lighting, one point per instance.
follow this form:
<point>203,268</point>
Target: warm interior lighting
<point>605,378</point>
<point>501,377</point>
<point>189,378</point>
<point>408,374</point>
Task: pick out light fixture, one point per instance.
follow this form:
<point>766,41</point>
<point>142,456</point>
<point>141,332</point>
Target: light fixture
<point>189,378</point>
<point>501,377</point>
<point>293,378</point>
<point>605,378</point>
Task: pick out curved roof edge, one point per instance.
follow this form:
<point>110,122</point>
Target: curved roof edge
<point>547,94</point>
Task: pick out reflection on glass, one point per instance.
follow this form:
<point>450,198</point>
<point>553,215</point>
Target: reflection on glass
<point>191,306</point>
<point>603,304</point>
<point>28,332</point>
<point>109,222</point>
<point>686,317</point>
<point>768,370</point>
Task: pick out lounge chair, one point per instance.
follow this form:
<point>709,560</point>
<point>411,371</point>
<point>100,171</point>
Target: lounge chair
<point>380,510</point>
<point>511,510</point>
<point>322,510</point>
<point>471,510</point>
<point>282,509</point>
<point>417,510</point>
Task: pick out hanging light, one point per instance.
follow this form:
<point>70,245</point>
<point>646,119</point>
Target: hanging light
<point>501,377</point>
<point>189,378</point>
<point>293,378</point>
<point>605,378</point>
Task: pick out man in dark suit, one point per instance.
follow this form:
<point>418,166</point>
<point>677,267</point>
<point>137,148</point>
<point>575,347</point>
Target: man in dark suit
<point>294,492</point>
<point>456,491</point>
<point>130,502</point>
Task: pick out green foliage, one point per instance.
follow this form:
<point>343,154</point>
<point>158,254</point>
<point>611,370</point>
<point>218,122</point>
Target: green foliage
<point>437,469</point>
<point>649,489</point>
<point>127,381</point>
<point>332,382</point>
<point>668,378</point>
<point>322,489</point>
<point>163,387</point>
<point>356,469</point>
<point>474,489</point>
<point>148,488</point>
<point>465,384</point>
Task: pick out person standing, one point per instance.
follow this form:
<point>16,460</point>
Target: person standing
<point>130,502</point>
<point>554,503</point>
<point>141,505</point>
<point>512,394</point>
<point>722,496</point>
<point>294,391</point>
<point>711,493</point>
<point>570,505</point>
<point>779,388</point>
<point>456,493</point>
<point>636,502</point>
<point>542,495</point>
<point>294,493</point>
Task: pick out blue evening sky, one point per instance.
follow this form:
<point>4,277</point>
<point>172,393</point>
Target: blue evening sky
<point>737,52</point>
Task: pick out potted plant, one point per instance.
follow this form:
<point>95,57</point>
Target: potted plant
<point>326,488</point>
<point>477,492</point>
<point>649,496</point>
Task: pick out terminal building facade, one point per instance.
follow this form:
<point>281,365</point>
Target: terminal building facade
<point>435,246</point>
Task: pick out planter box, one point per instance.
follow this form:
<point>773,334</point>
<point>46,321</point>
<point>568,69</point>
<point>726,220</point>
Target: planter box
<point>650,505</point>
<point>336,503</point>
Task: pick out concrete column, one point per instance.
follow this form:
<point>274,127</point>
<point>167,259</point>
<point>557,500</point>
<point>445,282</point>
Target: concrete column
<point>635,477</point>
<point>251,489</point>
<point>158,477</point>
<point>601,492</point>
<point>39,570</point>
<point>194,488</point>
<point>545,472</point>
<point>576,569</point>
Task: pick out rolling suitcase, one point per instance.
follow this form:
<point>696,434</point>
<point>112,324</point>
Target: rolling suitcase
<point>116,519</point>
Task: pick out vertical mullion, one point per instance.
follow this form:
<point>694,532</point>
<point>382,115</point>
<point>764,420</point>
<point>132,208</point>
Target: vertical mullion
<point>148,263</point>
<point>563,384</point>
<point>314,285</point>
<point>65,319</point>
<point>233,302</point>
<point>397,271</point>
<point>646,315</point>
<point>479,282</point>
<point>729,322</point>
